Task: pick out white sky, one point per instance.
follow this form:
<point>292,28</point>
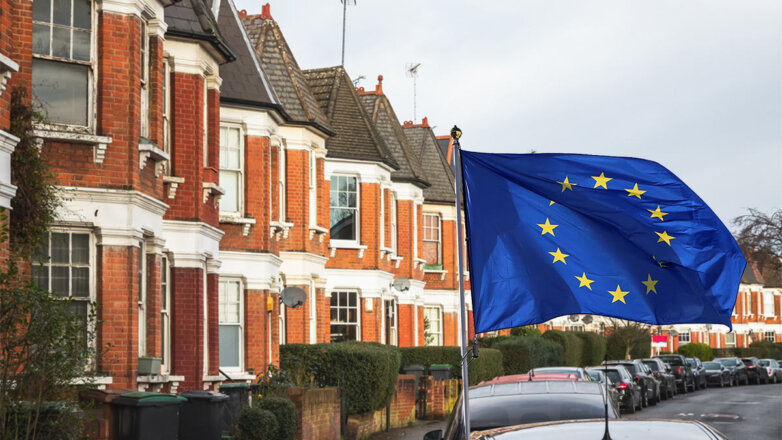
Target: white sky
<point>693,84</point>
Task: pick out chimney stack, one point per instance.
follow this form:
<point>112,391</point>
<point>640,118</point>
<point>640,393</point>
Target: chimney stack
<point>266,12</point>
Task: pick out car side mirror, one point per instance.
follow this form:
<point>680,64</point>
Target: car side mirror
<point>434,435</point>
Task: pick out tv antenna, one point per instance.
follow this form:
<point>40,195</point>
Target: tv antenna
<point>344,15</point>
<point>412,72</point>
<point>358,80</point>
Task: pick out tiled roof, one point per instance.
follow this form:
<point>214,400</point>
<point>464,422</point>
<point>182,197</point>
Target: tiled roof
<point>243,79</point>
<point>282,70</point>
<point>444,142</point>
<point>355,136</point>
<point>438,172</point>
<point>194,19</point>
<point>383,117</point>
<point>751,274</point>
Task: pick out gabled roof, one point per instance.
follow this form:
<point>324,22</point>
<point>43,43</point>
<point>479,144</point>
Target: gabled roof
<point>193,19</point>
<point>282,70</point>
<point>444,142</point>
<point>751,274</point>
<point>243,80</point>
<point>355,136</point>
<point>387,125</point>
<point>438,172</point>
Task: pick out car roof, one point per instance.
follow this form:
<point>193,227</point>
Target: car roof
<point>535,387</point>
<point>535,377</point>
<point>622,428</point>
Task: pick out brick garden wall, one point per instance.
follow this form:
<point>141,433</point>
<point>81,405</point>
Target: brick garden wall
<point>319,411</point>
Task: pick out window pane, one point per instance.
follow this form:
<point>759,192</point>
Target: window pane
<point>229,180</point>
<point>41,277</point>
<point>80,252</point>
<point>62,12</point>
<point>60,252</point>
<point>60,281</point>
<point>351,181</point>
<point>80,309</point>
<point>60,90</point>
<point>61,42</point>
<point>352,299</point>
<point>42,254</point>
<point>42,10</point>
<point>333,196</point>
<point>233,138</point>
<point>82,16</point>
<point>41,38</point>
<point>352,200</point>
<point>164,342</point>
<point>81,45</point>
<point>80,284</point>
<point>229,346</point>
<point>343,183</point>
<point>343,224</point>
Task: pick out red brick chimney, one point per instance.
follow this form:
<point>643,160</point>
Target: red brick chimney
<point>266,13</point>
<point>379,86</point>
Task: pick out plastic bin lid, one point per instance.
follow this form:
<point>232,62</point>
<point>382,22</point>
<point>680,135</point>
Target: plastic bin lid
<point>140,398</point>
<point>235,385</point>
<point>440,366</point>
<point>204,395</point>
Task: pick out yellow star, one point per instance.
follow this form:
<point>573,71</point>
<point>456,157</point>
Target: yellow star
<point>584,281</point>
<point>548,228</point>
<point>664,237</point>
<point>566,184</point>
<point>634,191</point>
<point>650,283</point>
<point>660,263</point>
<point>551,203</point>
<point>559,256</point>
<point>618,294</point>
<point>601,180</point>
<point>657,213</point>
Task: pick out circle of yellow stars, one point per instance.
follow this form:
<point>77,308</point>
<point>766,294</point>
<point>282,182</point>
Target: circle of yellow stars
<point>601,181</point>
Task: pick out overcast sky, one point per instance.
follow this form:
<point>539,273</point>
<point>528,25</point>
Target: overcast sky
<point>694,85</point>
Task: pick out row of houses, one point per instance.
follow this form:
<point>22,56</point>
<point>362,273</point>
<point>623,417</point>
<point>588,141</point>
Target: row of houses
<point>203,171</point>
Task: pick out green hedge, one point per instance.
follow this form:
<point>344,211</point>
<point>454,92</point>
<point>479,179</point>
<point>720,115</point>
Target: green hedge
<point>702,351</point>
<point>768,349</point>
<point>487,366</point>
<point>362,365</point>
<point>641,350</point>
<point>572,345</point>
<point>255,424</point>
<point>594,348</point>
<point>286,414</point>
<point>520,354</point>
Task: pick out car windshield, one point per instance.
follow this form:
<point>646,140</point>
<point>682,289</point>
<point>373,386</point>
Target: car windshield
<point>712,365</point>
<point>692,362</point>
<point>498,411</point>
<point>747,361</point>
<point>653,365</point>
<point>673,360</point>
<point>765,363</point>
<point>614,376</point>
<point>728,362</point>
<point>631,368</point>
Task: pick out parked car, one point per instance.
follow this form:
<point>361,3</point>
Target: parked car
<point>501,404</point>
<point>650,387</point>
<point>774,369</point>
<point>580,372</point>
<point>697,372</point>
<point>599,376</point>
<point>628,391</point>
<point>718,374</point>
<point>636,429</point>
<point>663,373</point>
<point>685,381</point>
<point>736,367</point>
<point>756,373</point>
<point>533,375</point>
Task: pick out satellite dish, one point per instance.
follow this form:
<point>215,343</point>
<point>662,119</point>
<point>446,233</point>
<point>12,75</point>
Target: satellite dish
<point>293,297</point>
<point>573,318</point>
<point>674,333</point>
<point>587,319</point>
<point>401,284</point>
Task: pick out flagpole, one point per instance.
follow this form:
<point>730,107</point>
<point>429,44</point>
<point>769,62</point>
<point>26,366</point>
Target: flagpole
<point>455,135</point>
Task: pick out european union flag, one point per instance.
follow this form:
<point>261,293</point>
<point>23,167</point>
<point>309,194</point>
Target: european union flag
<point>557,234</point>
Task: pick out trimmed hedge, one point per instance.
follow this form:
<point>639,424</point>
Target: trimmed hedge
<point>767,349</point>
<point>255,424</point>
<point>520,354</point>
<point>286,414</point>
<point>355,367</point>
<point>572,345</point>
<point>615,350</point>
<point>594,348</point>
<point>487,366</point>
<point>702,351</point>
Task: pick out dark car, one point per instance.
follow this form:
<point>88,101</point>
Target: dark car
<point>650,387</point>
<point>685,381</point>
<point>635,429</point>
<point>628,390</point>
<point>662,372</point>
<point>718,374</point>
<point>736,367</point>
<point>496,405</point>
<point>599,376</point>
<point>697,372</point>
<point>756,373</point>
<point>774,369</point>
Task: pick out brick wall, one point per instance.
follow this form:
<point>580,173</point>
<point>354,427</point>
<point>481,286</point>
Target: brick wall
<point>441,397</point>
<point>319,411</point>
<point>187,344</point>
<point>402,411</point>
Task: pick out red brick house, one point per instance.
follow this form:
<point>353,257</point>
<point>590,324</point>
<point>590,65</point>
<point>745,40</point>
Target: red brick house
<point>8,69</point>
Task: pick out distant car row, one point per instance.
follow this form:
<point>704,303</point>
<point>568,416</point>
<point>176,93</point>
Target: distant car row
<point>556,402</point>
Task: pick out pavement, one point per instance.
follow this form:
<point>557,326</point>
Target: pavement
<point>744,412</point>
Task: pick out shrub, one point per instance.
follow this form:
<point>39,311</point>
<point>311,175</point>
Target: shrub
<point>353,366</point>
<point>767,349</point>
<point>487,366</point>
<point>286,414</point>
<point>529,330</point>
<point>571,344</point>
<point>520,354</point>
<point>702,351</point>
<point>615,349</point>
<point>594,348</point>
<point>255,424</point>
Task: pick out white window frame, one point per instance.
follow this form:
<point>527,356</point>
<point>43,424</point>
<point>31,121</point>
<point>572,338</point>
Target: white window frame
<point>240,171</point>
<point>281,183</point>
<point>142,298</point>
<point>768,304</point>
<point>313,193</point>
<point>283,325</point>
<point>313,312</point>
<point>165,315</point>
<point>394,327</point>
<point>382,242</point>
<point>728,343</point>
<point>438,335</point>
<point>748,304</point>
<point>357,240</point>
<point>144,77</point>
<point>439,240</point>
<point>167,113</point>
<point>357,324</point>
<point>394,229</point>
<point>240,325</point>
<point>576,328</point>
<point>92,74</point>
<point>770,336</point>
<point>682,338</point>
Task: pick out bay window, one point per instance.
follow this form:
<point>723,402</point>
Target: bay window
<point>231,170</point>
<point>433,317</point>
<point>684,337</point>
<point>344,316</point>
<point>343,199</point>
<point>433,241</point>
<point>231,312</point>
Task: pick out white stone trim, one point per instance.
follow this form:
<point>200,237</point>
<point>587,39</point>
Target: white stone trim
<point>7,67</point>
<point>7,190</point>
<point>173,183</point>
<point>414,295</point>
<point>300,267</point>
<point>139,8</point>
<point>190,57</point>
<point>447,212</point>
<point>191,243</point>
<point>258,271</point>
<point>99,143</point>
<point>156,382</point>
<point>369,283</point>
<point>368,172</point>
<point>255,123</point>
<point>408,191</point>
<point>302,138</point>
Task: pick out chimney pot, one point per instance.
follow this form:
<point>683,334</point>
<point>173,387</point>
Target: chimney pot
<point>379,86</point>
<point>243,14</point>
<point>266,12</point>
<point>425,121</point>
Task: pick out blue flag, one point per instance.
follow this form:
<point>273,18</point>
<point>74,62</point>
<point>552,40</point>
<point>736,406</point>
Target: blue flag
<point>558,234</point>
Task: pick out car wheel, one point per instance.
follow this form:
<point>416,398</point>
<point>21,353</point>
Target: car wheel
<point>704,384</point>
<point>692,386</point>
<point>631,410</point>
<point>722,382</point>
